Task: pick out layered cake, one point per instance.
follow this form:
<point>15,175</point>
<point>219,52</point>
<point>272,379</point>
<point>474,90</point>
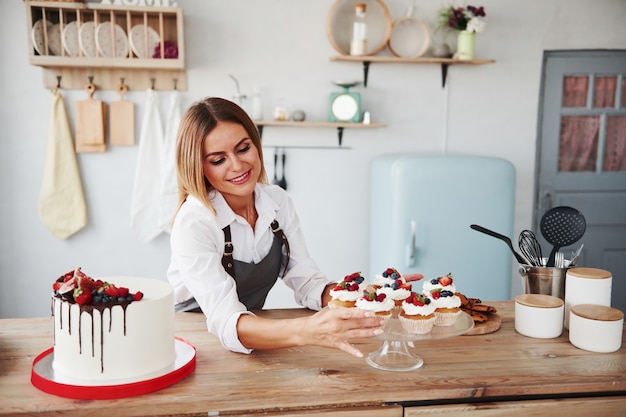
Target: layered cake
<point>418,314</point>
<point>346,292</point>
<point>112,329</point>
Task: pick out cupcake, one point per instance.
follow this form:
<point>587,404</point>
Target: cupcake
<point>418,314</point>
<point>442,291</point>
<point>398,291</point>
<point>346,292</point>
<point>447,306</point>
<point>388,276</point>
<point>379,304</point>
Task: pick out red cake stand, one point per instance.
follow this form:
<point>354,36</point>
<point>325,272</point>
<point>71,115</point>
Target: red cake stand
<point>44,378</point>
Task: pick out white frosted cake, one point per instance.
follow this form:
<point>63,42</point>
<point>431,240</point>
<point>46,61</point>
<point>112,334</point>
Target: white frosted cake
<point>100,342</point>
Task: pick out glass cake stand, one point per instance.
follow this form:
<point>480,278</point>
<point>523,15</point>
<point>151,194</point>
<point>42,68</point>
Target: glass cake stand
<point>394,354</point>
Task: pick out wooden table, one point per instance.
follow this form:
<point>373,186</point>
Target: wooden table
<point>503,372</point>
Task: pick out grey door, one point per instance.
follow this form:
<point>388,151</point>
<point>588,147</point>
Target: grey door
<point>581,158</point>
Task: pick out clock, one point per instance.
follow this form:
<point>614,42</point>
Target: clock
<point>345,106</point>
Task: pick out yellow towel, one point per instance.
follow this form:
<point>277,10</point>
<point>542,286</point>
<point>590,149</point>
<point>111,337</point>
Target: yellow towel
<point>62,207</point>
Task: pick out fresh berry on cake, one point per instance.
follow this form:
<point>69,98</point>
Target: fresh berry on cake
<point>418,314</point>
<point>398,291</point>
<point>444,283</point>
<point>347,291</point>
<point>388,276</point>
<point>111,330</point>
<point>379,304</point>
<point>447,306</point>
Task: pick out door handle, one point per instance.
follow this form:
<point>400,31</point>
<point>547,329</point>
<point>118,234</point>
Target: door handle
<point>411,250</point>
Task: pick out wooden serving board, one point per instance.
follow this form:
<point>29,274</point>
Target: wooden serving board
<point>90,116</point>
<point>122,120</point>
<point>492,324</point>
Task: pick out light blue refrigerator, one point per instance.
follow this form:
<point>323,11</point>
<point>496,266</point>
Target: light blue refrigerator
<point>421,210</point>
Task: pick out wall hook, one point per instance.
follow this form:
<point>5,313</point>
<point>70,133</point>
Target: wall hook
<point>153,81</point>
<point>58,81</point>
<point>90,78</point>
<point>175,84</point>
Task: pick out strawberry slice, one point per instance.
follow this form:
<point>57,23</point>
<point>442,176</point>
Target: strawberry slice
<point>111,290</point>
<point>82,297</point>
<point>446,280</point>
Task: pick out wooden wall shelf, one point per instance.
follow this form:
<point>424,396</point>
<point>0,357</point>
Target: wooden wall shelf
<point>339,126</point>
<point>444,62</point>
<point>75,66</point>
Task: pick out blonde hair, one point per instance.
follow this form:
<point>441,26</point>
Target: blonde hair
<point>198,121</point>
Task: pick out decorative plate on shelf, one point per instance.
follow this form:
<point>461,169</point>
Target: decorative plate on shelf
<point>87,39</point>
<point>70,39</point>
<point>54,39</point>
<point>139,34</point>
<point>37,34</point>
<point>110,37</point>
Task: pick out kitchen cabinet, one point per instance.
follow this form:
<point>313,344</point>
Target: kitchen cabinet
<point>444,62</point>
<point>74,42</point>
<point>570,407</point>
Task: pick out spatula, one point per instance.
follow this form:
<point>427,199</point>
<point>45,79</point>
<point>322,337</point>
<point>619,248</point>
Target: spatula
<point>506,240</point>
<point>562,226</point>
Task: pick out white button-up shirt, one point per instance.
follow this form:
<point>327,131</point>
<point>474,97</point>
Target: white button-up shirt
<point>197,244</point>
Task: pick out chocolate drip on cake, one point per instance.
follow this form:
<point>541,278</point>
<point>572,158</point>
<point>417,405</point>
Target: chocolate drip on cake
<point>89,310</point>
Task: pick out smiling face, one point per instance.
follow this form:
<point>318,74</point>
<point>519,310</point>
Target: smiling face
<point>231,162</point>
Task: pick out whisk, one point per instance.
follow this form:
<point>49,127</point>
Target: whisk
<point>530,248</point>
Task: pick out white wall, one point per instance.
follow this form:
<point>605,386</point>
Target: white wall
<point>281,46</point>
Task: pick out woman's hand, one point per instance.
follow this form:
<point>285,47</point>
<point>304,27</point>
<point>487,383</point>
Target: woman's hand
<point>413,277</point>
<point>334,327</point>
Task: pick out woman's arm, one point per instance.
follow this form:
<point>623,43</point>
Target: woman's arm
<point>331,328</point>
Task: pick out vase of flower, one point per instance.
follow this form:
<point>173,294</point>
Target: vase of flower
<point>465,45</point>
<point>468,21</point>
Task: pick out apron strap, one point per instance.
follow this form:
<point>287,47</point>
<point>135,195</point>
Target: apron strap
<point>227,259</point>
<point>279,232</point>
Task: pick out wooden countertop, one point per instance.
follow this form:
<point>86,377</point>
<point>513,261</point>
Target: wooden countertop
<point>499,366</point>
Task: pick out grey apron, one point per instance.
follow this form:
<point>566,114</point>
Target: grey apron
<point>254,281</point>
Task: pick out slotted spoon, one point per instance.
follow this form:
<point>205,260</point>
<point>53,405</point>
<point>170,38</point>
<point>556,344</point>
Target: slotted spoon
<point>562,226</point>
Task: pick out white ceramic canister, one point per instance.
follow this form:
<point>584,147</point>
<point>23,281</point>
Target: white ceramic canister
<point>596,328</point>
<point>587,286</point>
<point>539,315</point>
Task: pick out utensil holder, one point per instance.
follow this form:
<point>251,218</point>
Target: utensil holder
<point>543,280</point>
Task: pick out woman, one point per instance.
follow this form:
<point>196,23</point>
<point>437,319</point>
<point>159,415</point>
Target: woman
<point>234,234</point>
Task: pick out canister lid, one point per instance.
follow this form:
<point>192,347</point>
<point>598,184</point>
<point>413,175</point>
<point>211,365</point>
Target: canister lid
<point>539,300</point>
<point>591,273</point>
<point>597,312</point>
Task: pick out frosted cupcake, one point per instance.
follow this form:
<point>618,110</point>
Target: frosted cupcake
<point>346,292</point>
<point>388,276</point>
<point>418,314</point>
<point>447,306</point>
<point>379,304</point>
<point>398,291</point>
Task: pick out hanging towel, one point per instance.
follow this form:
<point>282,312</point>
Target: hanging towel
<point>169,197</point>
<point>62,206</point>
<point>148,185</point>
